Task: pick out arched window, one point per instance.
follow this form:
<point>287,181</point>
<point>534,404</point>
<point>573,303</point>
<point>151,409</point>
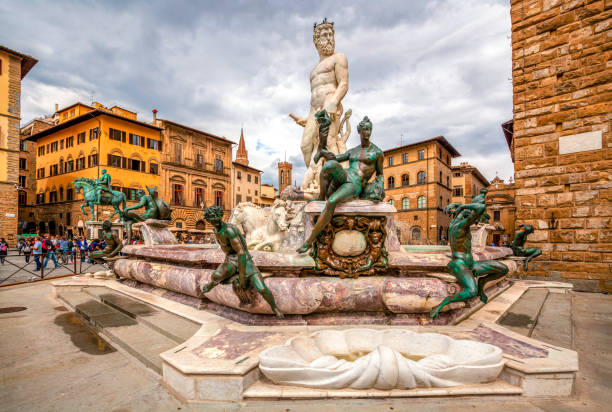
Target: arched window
<point>390,182</point>
<point>416,234</point>
<point>421,202</point>
<point>282,182</point>
<point>405,180</point>
<point>61,194</point>
<point>405,203</point>
<point>421,178</point>
<point>200,225</point>
<point>69,194</point>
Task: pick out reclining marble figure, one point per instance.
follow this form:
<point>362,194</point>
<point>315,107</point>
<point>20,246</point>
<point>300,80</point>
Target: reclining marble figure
<point>238,268</point>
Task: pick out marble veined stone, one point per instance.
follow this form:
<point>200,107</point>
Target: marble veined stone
<point>380,359</point>
<point>349,243</point>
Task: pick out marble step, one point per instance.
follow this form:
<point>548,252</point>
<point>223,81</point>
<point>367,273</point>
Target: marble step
<point>522,316</point>
<point>172,326</point>
<point>119,330</point>
<point>264,389</point>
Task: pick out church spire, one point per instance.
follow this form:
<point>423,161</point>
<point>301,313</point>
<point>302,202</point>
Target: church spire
<point>242,155</point>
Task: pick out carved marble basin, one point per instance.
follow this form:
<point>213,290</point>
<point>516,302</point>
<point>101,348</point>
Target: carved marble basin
<point>380,359</point>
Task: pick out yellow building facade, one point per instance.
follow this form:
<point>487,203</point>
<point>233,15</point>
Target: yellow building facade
<point>86,140</point>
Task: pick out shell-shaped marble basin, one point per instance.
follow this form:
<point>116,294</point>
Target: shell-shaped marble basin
<point>380,359</point>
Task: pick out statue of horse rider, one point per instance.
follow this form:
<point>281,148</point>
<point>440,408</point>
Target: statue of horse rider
<point>103,184</point>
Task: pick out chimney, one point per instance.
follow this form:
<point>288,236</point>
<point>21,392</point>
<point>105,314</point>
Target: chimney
<point>154,114</point>
<point>56,107</point>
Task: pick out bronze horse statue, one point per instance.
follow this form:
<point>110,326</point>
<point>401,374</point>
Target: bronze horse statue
<point>115,198</point>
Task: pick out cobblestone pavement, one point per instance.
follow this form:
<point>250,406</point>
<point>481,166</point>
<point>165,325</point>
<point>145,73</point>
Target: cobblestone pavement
<point>15,269</point>
<point>51,362</point>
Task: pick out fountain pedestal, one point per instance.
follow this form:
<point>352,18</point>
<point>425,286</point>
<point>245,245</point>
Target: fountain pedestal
<point>156,232</point>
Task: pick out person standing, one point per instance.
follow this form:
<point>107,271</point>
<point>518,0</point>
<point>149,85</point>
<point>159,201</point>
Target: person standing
<point>50,253</point>
<point>37,250</point>
<point>26,249</point>
<point>3,250</point>
<point>83,248</point>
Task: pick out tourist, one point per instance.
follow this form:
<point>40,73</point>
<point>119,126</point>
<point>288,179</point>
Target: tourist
<point>82,244</point>
<point>48,243</point>
<point>20,245</point>
<point>26,249</point>
<point>37,251</point>
<point>3,250</point>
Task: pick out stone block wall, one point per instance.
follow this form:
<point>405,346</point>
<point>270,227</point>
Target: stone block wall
<point>562,79</point>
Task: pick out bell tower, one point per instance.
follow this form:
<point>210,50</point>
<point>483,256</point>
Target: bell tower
<point>284,175</point>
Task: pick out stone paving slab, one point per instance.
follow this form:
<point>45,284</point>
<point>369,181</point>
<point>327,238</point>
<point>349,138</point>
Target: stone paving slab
<point>523,314</point>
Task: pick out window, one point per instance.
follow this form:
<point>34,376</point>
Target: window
<point>199,197</point>
<point>440,204</point>
<point>61,194</point>
<point>421,203</point>
<point>40,173</point>
<point>219,166</point>
<point>496,215</point>
<point>113,134</point>
<point>416,217</point>
<point>95,132</point>
<point>22,164</point>
<point>405,158</point>
<point>421,178</point>
<point>154,144</point>
<point>153,168</point>
<point>239,175</point>
<point>61,166</point>
<point>421,154</point>
<point>137,140</point>
<point>447,159</point>
<point>440,177</point>
<point>69,166</point>
<point>178,224</point>
<point>40,198</point>
<point>416,234</point>
<point>80,163</point>
<point>457,174</point>
<point>22,198</point>
<point>390,160</point>
<point>405,180</point>
<point>200,225</point>
<point>114,161</point>
<point>238,199</point>
<point>248,178</point>
<point>405,203</point>
<point>282,178</point>
<point>61,142</point>
<point>81,138</point>
<point>132,194</point>
<point>41,150</point>
<point>53,170</point>
<point>22,181</point>
<point>390,182</point>
<point>23,146</point>
<point>53,197</point>
<point>219,198</point>
<point>92,160</point>
<point>249,199</point>
<point>68,218</point>
<point>136,165</point>
<point>457,190</point>
<point>178,153</point>
<point>69,141</point>
<point>256,193</point>
<point>54,147</point>
<point>69,194</point>
<point>447,181</point>
<point>199,159</point>
<point>177,194</point>
<point>256,181</point>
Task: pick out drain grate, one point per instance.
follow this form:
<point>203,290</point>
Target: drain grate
<point>12,309</point>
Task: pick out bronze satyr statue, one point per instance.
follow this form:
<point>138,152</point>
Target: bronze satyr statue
<point>155,208</point>
<point>238,267</point>
<point>519,241</point>
<point>338,184</point>
<point>462,265</point>
<point>113,245</point>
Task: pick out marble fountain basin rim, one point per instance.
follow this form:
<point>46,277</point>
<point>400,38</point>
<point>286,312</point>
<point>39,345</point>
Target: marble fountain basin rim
<point>434,360</point>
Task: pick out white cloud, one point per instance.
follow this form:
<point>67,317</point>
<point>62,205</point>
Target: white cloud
<point>418,69</point>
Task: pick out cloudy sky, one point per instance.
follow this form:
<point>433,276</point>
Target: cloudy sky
<point>417,68</point>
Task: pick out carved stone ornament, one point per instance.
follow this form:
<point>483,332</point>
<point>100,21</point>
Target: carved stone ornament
<point>351,246</point>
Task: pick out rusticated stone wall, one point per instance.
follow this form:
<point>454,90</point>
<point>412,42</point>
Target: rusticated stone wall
<point>562,79</point>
